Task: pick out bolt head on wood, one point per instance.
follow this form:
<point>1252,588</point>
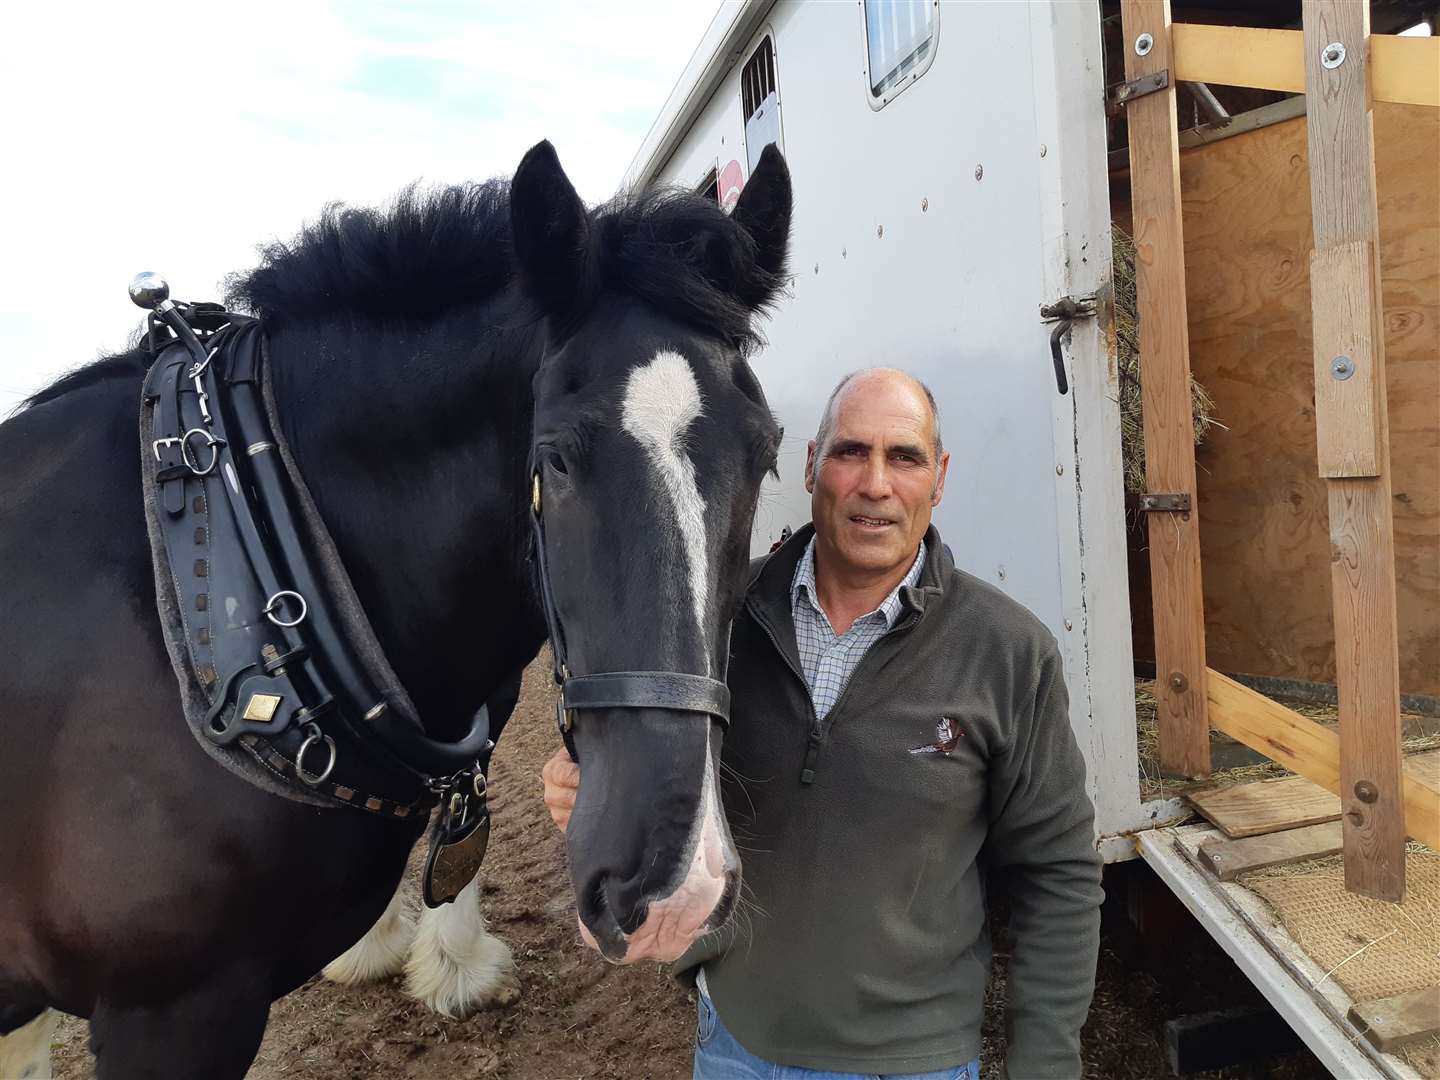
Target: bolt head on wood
<point>1178,682</point>
<point>1332,56</point>
<point>1366,792</point>
<point>1143,44</point>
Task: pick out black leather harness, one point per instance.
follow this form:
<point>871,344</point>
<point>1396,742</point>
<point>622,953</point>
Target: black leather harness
<point>277,673</point>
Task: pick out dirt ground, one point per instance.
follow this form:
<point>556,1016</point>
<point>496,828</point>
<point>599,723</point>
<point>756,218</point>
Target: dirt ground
<point>579,1017</point>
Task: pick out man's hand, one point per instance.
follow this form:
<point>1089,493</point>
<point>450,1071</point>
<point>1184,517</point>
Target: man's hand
<point>562,781</point>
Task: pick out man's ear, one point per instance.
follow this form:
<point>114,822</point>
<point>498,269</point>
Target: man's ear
<point>763,210</point>
<point>810,468</point>
<point>939,492</point>
<point>551,229</point>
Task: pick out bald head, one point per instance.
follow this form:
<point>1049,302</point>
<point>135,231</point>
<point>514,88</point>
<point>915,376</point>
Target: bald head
<point>871,379</point>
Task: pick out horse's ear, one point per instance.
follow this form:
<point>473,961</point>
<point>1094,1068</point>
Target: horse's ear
<point>763,210</point>
<point>550,227</point>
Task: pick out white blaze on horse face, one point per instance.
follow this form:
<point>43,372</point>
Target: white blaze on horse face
<point>662,399</point>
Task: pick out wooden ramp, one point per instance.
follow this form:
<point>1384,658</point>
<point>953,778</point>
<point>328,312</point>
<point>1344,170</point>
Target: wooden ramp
<point>1315,1005</point>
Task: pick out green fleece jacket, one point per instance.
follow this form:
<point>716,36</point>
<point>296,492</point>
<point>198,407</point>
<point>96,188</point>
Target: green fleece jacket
<point>862,943</point>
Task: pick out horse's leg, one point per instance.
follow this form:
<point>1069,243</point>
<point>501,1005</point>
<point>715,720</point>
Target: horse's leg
<point>210,1033</point>
<point>456,965</point>
<point>381,952</point>
<point>25,1052</point>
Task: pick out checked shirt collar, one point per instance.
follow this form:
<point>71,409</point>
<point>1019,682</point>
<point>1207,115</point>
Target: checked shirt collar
<point>829,659</point>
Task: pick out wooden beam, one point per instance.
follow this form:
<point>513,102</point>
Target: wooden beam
<point>1390,1023</point>
<point>1346,263</point>
<point>1403,69</point>
<point>1310,749</point>
<point>1164,348</point>
<point>1228,859</point>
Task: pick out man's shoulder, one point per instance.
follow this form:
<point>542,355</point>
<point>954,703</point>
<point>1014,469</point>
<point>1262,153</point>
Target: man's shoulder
<point>992,617</point>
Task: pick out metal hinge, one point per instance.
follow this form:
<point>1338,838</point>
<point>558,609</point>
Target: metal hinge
<point>1063,313</point>
<point>1125,92</point>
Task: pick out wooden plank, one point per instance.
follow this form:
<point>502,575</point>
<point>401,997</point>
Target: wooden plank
<point>1390,1023</point>
<point>1424,767</point>
<point>1228,859</point>
<point>1347,410</point>
<point>1266,806</point>
<point>1362,540</point>
<point>1266,541</point>
<point>1240,56</point>
<point>1405,70</point>
<point>1308,748</point>
<point>1165,364</point>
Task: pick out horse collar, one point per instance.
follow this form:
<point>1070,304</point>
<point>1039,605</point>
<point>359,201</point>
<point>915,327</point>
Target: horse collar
<point>276,661</point>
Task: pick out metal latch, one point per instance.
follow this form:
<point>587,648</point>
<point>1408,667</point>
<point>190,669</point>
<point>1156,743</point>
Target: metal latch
<point>1125,92</point>
<point>1063,313</point>
<point>1159,502</point>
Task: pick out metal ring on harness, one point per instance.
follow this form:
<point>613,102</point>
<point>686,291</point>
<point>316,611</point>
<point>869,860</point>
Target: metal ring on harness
<point>313,734</point>
<point>273,604</point>
<point>193,460</point>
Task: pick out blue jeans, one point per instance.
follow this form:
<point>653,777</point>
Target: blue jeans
<point>719,1057</point>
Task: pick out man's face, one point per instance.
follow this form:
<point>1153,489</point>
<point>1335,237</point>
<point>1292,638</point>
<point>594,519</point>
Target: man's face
<point>873,486</point>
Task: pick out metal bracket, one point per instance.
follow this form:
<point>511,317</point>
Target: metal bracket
<point>1159,503</point>
<point>1125,92</point>
<point>1068,307</point>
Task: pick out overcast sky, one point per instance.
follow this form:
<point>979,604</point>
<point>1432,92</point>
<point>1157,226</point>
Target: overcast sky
<point>178,137</point>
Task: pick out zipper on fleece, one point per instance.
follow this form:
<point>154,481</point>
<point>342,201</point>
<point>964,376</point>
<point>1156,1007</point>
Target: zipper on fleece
<point>817,732</point>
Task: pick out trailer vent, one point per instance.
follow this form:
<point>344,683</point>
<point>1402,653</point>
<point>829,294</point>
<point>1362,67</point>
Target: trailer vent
<point>709,188</point>
<point>899,42</point>
<point>760,97</point>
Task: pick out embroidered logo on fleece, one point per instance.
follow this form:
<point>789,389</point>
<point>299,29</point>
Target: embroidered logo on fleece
<point>947,738</point>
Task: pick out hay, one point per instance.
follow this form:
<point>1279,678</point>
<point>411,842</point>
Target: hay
<point>1127,352</point>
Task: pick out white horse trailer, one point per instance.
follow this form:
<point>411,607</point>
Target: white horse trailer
<point>953,218</point>
<point>949,174</point>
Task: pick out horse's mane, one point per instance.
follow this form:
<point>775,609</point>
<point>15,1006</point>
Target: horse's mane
<point>434,249</point>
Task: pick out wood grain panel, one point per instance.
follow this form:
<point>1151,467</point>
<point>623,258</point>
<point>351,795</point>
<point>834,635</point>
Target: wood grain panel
<point>1266,549</point>
<point>1165,380</point>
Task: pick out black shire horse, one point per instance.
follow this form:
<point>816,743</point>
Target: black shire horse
<point>424,361</point>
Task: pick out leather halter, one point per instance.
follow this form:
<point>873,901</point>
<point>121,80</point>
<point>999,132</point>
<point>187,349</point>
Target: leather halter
<point>674,690</point>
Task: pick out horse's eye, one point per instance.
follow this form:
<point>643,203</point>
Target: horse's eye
<point>555,462</point>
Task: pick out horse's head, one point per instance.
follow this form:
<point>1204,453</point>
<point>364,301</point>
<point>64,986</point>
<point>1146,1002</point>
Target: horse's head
<point>651,440</point>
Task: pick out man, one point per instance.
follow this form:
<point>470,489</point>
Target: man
<point>894,720</point>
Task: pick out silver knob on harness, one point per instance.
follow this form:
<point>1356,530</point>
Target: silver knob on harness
<point>149,290</point>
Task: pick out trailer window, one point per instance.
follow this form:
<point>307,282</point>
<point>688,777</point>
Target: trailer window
<point>899,44</point>
<point>760,99</point>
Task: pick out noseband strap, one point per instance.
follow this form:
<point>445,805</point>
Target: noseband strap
<point>648,690</point>
<point>673,690</point>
